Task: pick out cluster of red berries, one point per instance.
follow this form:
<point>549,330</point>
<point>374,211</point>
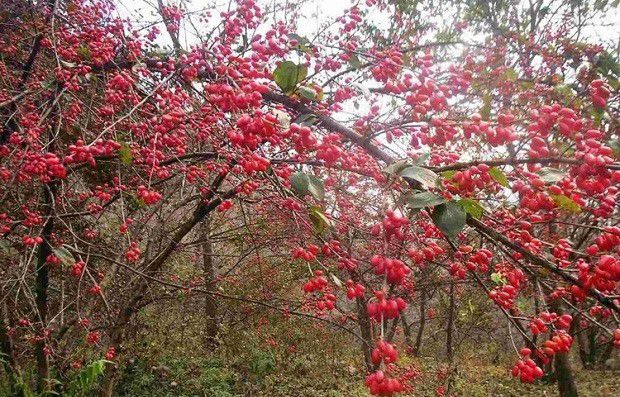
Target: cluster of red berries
<point>46,166</point>
<point>95,289</point>
<point>329,150</point>
<point>318,283</point>
<point>392,226</point>
<point>80,153</point>
<point>478,261</point>
<point>225,206</point>
<point>504,296</point>
<point>78,268</point>
<point>599,93</point>
<point>606,242</point>
<point>428,253</point>
<point>149,197</point>
<point>93,337</point>
<point>540,324</point>
<point>125,226</point>
<point>380,384</point>
<point>53,260</point>
<point>385,308</point>
<point>559,343</point>
<point>526,369</point>
<point>110,353</point>
<point>32,241</point>
<point>384,352</point>
<point>608,268</point>
<point>254,164</point>
<point>302,138</point>
<point>468,181</point>
<point>395,270</point>
<point>307,254</point>
<point>355,290</point>
<point>543,121</point>
<point>132,254</point>
<point>331,247</point>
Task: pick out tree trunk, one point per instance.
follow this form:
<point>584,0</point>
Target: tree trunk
<point>406,331</point>
<point>563,371</point>
<point>42,283</point>
<point>450,326</point>
<point>7,356</point>
<point>564,375</point>
<point>209,274</point>
<point>582,342</point>
<point>365,331</point>
<point>418,340</point>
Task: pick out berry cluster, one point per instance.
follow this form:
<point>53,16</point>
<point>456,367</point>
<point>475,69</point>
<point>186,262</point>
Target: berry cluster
<point>428,253</point>
<point>380,384</point>
<point>355,290</point>
<point>599,93</point>
<point>541,324</point>
<point>395,270</point>
<point>385,308</point>
<point>392,224</point>
<point>308,254</point>
<point>526,369</point>
<point>149,197</point>
<point>384,352</point>
<point>132,254</point>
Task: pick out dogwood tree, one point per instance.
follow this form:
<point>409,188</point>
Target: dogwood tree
<point>476,141</point>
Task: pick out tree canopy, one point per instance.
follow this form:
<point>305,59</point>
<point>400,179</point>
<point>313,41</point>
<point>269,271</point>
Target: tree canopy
<point>345,162</point>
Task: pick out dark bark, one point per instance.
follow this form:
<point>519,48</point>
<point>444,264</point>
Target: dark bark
<point>117,333</point>
<point>563,371</point>
<point>7,355</point>
<point>564,376</point>
<point>418,340</point>
<point>365,331</point>
<point>209,274</point>
<point>41,286</point>
<point>392,332</point>
<point>450,325</point>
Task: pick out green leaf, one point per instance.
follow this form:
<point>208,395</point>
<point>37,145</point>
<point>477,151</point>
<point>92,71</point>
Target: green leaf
<point>472,207</point>
<point>424,199</point>
<point>300,183</point>
<point>304,184</point>
<point>64,255</point>
<point>511,75</point>
<point>485,111</point>
<point>450,218</point>
<point>303,44</point>
<point>124,154</point>
<point>426,177</point>
<point>316,188</point>
<point>422,159</point>
<point>288,75</point>
<point>396,167</point>
<point>551,175</point>
<point>566,203</point>
<point>355,62</point>
<point>308,93</point>
<point>615,147</point>
<point>5,247</point>
<point>498,176</point>
<point>448,174</point>
<point>497,278</point>
<point>284,120</point>
<point>306,119</point>
<point>337,281</point>
<point>319,219</point>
